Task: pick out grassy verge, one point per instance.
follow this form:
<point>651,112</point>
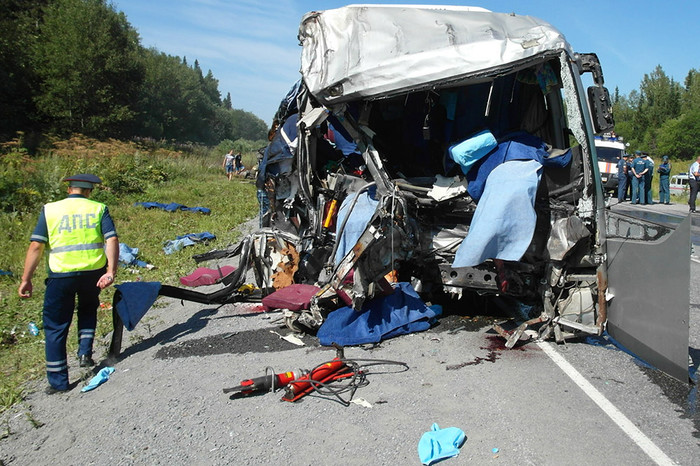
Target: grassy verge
<point>131,174</point>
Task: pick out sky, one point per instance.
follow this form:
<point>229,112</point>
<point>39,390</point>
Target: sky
<point>251,46</point>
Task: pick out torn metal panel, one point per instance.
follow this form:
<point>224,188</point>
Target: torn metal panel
<point>650,315</point>
<point>360,51</point>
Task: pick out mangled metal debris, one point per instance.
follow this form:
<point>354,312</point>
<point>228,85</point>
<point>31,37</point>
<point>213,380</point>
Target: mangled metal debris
<point>364,190</point>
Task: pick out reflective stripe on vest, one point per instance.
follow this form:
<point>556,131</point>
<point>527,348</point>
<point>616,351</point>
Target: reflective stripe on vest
<point>75,235</point>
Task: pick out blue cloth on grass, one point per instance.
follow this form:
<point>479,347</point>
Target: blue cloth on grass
<point>504,220</point>
<point>99,379</point>
<point>518,146</point>
<point>128,255</point>
<point>385,317</point>
<point>359,218</point>
<point>172,207</point>
<point>182,241</point>
<point>133,299</point>
<point>438,444</point>
<point>467,152</point>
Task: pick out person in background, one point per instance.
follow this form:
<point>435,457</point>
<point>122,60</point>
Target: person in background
<point>664,180</point>
<point>648,177</point>
<point>238,163</point>
<point>628,194</point>
<point>621,178</point>
<point>83,252</point>
<point>639,168</point>
<point>228,164</point>
<point>693,180</point>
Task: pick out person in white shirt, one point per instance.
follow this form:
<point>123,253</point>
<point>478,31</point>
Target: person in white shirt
<point>694,180</point>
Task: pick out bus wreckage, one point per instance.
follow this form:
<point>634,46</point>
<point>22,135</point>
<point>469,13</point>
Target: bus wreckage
<point>461,160</point>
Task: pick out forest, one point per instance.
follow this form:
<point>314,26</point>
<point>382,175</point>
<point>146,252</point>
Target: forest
<point>662,116</point>
<point>78,66</point>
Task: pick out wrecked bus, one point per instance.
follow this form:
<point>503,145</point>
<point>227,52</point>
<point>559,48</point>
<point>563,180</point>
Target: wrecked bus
<point>460,159</point>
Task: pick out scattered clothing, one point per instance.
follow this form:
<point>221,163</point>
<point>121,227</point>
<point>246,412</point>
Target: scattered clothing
<point>133,299</point>
<point>399,313</point>
<point>205,276</point>
<point>190,239</point>
<point>127,257</point>
<point>172,207</point>
<point>438,444</point>
<point>504,220</point>
<point>99,379</point>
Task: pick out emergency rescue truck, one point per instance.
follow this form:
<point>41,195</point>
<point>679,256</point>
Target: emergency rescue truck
<point>609,149</point>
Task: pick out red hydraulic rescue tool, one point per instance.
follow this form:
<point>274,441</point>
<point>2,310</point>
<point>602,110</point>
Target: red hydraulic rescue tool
<point>266,383</point>
<point>299,383</point>
<point>323,374</point>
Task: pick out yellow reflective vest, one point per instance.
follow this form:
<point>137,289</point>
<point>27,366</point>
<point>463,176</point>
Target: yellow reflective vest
<point>76,243</point>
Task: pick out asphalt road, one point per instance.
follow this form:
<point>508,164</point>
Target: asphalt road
<point>164,404</point>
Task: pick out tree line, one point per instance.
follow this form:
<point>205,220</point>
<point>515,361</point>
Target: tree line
<point>662,116</point>
<point>78,66</point>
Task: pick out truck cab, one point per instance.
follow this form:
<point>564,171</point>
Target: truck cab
<point>454,149</point>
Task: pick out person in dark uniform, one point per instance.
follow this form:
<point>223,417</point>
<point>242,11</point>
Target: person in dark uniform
<point>648,176</point>
<point>639,167</point>
<point>83,252</point>
<point>628,194</point>
<point>664,180</point>
<point>621,178</point>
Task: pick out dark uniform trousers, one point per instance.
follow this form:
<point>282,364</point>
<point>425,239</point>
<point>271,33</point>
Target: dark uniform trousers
<point>59,303</point>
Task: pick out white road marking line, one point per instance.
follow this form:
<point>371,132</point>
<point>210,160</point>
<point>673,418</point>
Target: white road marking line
<point>637,436</point>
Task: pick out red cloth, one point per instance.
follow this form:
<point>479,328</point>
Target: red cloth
<point>204,276</point>
<point>293,297</point>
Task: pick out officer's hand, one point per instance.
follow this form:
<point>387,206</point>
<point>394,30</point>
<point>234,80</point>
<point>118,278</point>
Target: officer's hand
<point>25,289</point>
<point>105,280</point>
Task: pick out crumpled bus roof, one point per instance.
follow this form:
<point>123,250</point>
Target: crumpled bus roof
<point>375,50</point>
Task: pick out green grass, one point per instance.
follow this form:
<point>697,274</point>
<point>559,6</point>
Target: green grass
<point>140,175</point>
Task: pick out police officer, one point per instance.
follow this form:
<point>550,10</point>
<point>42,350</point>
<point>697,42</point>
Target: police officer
<point>639,168</point>
<point>621,178</point>
<point>83,251</point>
<point>648,177</point>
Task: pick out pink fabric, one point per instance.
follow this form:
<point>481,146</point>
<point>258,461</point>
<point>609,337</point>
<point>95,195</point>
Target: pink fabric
<point>204,276</point>
<point>293,297</point>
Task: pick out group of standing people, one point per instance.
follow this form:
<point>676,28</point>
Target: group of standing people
<point>635,175</point>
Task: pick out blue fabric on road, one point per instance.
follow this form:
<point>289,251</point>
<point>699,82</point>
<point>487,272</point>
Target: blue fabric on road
<point>99,379</point>
<point>399,313</point>
<point>438,444</point>
<point>172,207</point>
<point>504,220</point>
<point>133,299</point>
